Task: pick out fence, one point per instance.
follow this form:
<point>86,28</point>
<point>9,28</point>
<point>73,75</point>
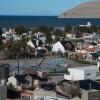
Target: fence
<point>24,98</point>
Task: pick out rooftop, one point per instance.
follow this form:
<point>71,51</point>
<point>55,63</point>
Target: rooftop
<point>85,84</point>
<point>86,67</point>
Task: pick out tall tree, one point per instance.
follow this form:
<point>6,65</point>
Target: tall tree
<point>68,28</point>
<point>21,29</point>
<point>0,35</point>
<point>59,32</point>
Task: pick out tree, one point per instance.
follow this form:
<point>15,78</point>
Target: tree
<point>68,28</point>
<point>57,38</point>
<point>14,50</point>
<point>21,29</point>
<point>1,35</point>
<point>94,28</point>
<point>11,87</point>
<point>86,29</point>
<point>1,44</point>
<point>59,33</point>
<point>43,29</point>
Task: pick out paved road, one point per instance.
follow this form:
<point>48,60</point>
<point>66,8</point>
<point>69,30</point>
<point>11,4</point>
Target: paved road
<point>35,61</point>
<point>26,63</point>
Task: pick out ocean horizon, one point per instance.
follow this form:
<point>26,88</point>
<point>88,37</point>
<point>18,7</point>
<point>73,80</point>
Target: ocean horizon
<point>11,21</point>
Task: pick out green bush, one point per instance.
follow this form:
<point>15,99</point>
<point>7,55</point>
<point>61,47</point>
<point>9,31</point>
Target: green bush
<point>11,87</point>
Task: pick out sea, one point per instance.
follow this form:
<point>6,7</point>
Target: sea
<point>35,21</point>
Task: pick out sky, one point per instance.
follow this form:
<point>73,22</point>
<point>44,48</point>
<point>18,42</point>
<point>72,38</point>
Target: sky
<point>37,7</point>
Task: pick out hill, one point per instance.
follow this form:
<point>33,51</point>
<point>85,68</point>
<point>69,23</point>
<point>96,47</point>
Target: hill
<point>86,10</point>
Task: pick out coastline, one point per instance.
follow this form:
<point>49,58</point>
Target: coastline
<point>50,21</point>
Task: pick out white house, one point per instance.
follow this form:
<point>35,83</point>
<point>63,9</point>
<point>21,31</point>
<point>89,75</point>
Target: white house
<point>58,47</point>
<point>18,81</point>
<point>12,80</point>
<point>87,25</point>
<point>29,43</point>
<point>81,73</point>
<point>40,36</point>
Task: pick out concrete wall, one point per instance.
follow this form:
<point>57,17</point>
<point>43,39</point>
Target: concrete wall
<point>91,95</point>
<point>3,92</point>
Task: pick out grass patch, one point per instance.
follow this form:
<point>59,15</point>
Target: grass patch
<point>81,61</point>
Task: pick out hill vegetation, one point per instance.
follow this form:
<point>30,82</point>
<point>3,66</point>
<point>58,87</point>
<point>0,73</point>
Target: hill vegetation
<point>86,10</point>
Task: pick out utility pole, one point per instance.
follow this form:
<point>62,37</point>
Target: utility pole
<point>36,58</point>
<point>18,60</point>
<point>18,67</point>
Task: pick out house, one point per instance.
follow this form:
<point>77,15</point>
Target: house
<point>40,37</point>
<point>18,80</point>
<point>24,81</point>
<point>41,51</point>
<point>30,43</point>
<point>81,54</point>
<point>11,34</point>
<point>27,80</point>
<point>68,45</point>
<point>92,56</point>
<point>70,35</point>
<point>58,47</point>
<point>82,73</point>
<point>89,56</point>
<point>87,36</point>
<point>90,48</point>
<point>42,74</point>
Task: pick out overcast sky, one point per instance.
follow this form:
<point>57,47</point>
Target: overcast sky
<point>37,7</point>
